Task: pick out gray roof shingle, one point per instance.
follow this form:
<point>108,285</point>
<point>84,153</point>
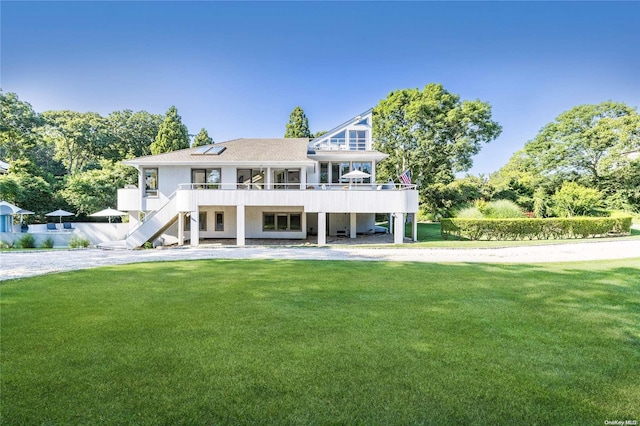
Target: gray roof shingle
<point>245,150</point>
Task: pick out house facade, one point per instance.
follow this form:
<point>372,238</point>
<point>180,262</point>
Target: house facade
<point>266,188</point>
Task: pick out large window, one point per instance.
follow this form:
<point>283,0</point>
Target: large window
<point>363,167</point>
<point>281,221</point>
<point>286,179</point>
<point>357,140</point>
<point>339,169</point>
<point>206,178</point>
<point>250,179</point>
<point>150,182</point>
<point>202,216</point>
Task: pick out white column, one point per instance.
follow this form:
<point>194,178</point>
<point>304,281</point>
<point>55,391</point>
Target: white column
<point>180,228</point>
<point>398,228</point>
<point>391,227</point>
<point>240,227</point>
<point>352,225</point>
<point>195,228</point>
<point>415,226</point>
<point>322,228</point>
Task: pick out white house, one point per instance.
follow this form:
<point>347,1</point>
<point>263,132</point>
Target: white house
<point>266,188</point>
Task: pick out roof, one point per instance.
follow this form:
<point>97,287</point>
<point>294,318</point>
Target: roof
<point>237,151</point>
<point>4,167</point>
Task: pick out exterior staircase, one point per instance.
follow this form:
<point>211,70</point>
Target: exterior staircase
<point>154,224</point>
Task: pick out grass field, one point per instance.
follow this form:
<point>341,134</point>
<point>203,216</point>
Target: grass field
<point>285,342</point>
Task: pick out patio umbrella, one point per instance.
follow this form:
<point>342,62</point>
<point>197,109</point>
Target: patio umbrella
<point>60,213</point>
<point>356,174</point>
<point>108,213</point>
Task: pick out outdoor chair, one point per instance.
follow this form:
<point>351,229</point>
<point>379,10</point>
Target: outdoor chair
<point>51,227</point>
<point>67,226</point>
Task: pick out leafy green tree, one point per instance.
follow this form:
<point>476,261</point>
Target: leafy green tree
<point>431,132</point>
<point>96,189</point>
<point>9,188</point>
<point>19,125</point>
<point>298,125</point>
<point>173,135</point>
<point>79,138</point>
<point>318,134</point>
<point>575,200</point>
<point>586,142</point>
<point>36,194</point>
<point>202,138</point>
<point>132,134</point>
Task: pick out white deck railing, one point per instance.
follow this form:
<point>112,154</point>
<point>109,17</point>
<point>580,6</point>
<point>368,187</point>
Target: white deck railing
<point>297,186</point>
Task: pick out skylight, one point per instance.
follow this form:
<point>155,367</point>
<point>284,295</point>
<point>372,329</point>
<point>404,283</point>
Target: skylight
<point>209,150</point>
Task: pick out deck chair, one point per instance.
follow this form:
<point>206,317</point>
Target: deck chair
<point>51,227</point>
<point>67,226</point>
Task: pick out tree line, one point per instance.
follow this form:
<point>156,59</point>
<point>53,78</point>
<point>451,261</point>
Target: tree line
<point>71,160</point>
<point>582,161</point>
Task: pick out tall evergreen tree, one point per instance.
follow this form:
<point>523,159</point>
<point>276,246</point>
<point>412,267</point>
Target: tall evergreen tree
<point>298,125</point>
<point>173,135</point>
<point>202,138</point>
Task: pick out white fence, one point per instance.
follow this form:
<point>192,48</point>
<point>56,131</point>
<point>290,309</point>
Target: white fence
<point>96,233</point>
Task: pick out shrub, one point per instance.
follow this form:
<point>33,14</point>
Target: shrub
<point>502,209</point>
<point>47,243</point>
<point>77,242</point>
<point>518,229</point>
<point>470,213</point>
<point>26,241</point>
<point>6,244</point>
<point>575,200</point>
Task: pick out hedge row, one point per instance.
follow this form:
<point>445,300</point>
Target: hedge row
<point>540,229</point>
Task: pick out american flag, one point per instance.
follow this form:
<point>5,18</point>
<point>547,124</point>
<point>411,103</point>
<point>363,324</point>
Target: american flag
<point>405,177</point>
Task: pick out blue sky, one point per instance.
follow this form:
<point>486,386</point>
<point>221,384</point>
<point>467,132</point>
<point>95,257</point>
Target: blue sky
<point>238,69</point>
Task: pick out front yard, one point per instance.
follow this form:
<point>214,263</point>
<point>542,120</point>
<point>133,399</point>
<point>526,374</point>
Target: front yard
<point>286,342</point>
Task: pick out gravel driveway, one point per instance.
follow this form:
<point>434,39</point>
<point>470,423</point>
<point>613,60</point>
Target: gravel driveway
<point>25,264</point>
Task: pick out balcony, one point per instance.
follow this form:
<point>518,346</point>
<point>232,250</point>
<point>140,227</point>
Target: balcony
<point>328,198</point>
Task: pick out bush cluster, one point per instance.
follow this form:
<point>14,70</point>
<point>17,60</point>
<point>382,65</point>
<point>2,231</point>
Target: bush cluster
<point>76,242</point>
<point>540,229</point>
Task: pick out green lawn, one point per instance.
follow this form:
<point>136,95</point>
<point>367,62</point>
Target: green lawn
<point>310,342</point>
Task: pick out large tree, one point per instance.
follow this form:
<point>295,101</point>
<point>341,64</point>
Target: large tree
<point>298,125</point>
<point>173,135</point>
<point>79,138</point>
<point>133,133</point>
<point>19,125</point>
<point>586,142</point>
<point>96,189</point>
<point>202,138</point>
<point>432,133</point>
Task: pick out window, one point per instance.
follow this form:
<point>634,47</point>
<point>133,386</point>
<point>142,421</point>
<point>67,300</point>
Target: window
<point>250,178</point>
<point>363,167</point>
<point>286,179</point>
<point>209,178</point>
<point>357,140</point>
<point>281,222</point>
<point>219,221</point>
<point>150,182</point>
<point>324,172</point>
<point>338,139</point>
<point>335,172</point>
<point>202,216</point>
